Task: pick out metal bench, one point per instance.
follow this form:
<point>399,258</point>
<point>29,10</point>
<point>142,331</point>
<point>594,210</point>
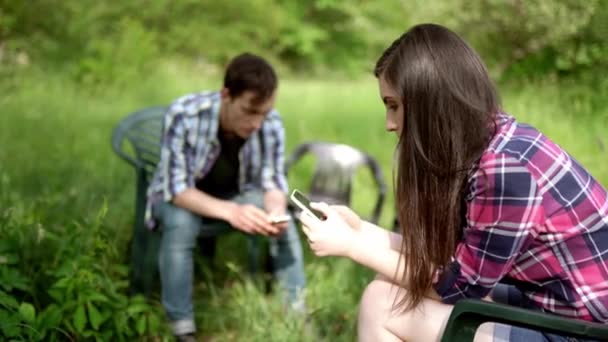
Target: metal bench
<point>335,167</point>
<point>469,314</point>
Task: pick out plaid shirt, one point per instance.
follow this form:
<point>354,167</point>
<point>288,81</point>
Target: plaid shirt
<point>190,147</point>
<point>536,218</point>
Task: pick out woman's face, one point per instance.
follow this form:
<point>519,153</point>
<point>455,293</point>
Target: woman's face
<point>394,106</point>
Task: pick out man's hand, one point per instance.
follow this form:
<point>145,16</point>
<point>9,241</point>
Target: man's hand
<point>275,204</point>
<point>252,220</point>
<point>280,226</point>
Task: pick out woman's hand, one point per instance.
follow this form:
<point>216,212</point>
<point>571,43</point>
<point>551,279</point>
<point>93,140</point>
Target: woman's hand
<point>334,235</point>
<point>353,220</point>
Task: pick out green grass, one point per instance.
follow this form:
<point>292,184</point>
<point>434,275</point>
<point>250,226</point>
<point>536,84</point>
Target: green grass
<point>57,169</point>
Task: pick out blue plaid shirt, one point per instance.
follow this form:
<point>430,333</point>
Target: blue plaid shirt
<point>190,146</point>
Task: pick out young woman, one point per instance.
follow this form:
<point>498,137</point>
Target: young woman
<point>483,201</point>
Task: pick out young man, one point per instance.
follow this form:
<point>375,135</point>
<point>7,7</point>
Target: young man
<point>221,169</point>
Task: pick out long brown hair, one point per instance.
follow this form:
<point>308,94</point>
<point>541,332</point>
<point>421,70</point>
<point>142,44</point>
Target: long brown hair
<point>448,105</point>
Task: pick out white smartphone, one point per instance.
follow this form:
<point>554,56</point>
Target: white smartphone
<point>302,202</point>
<point>279,219</point>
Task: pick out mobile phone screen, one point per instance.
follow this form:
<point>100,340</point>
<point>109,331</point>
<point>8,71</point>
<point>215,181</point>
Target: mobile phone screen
<point>300,197</point>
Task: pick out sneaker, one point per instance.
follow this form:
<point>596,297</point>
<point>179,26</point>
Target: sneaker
<point>186,338</point>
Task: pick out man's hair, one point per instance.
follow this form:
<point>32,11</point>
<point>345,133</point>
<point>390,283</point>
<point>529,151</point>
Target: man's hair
<point>250,72</point>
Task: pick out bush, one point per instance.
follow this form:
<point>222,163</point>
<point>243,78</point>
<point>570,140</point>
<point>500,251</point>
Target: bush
<point>65,282</point>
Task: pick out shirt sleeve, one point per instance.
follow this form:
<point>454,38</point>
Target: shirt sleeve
<point>503,207</point>
<point>273,170</point>
<point>172,163</point>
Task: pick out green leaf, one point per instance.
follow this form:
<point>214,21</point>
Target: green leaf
<point>153,323</point>
<point>80,319</point>
<point>98,297</point>
<point>62,283</point>
<point>6,245</point>
<point>136,308</point>
<point>105,314</point>
<point>10,325</point>
<point>57,294</point>
<point>121,269</point>
<point>121,284</point>
<point>88,333</point>
<point>121,324</point>
<point>7,301</point>
<point>94,316</point>
<point>107,335</point>
<point>12,279</point>
<point>27,312</point>
<point>8,259</point>
<point>141,325</point>
<point>49,318</point>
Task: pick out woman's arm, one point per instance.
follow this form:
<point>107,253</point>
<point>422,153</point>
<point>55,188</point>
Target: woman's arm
<point>371,248</point>
<point>382,238</point>
<point>377,235</point>
<point>341,235</point>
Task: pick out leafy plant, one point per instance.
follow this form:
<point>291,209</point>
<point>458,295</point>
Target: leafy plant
<point>78,290</point>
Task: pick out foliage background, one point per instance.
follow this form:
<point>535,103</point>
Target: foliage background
<point>71,69</point>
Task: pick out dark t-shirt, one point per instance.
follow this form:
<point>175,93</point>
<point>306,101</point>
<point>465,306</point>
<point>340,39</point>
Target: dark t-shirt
<point>223,178</point>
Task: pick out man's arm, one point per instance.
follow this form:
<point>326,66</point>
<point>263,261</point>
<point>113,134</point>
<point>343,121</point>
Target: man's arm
<point>178,182</point>
<point>172,165</point>
<point>245,217</point>
<point>274,180</point>
<point>205,205</point>
<point>275,202</point>
<point>179,186</point>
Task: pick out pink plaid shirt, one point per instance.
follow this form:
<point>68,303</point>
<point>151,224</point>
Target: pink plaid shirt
<point>537,219</point>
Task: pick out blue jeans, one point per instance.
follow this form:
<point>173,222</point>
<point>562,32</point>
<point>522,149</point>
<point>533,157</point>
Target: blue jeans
<point>180,230</point>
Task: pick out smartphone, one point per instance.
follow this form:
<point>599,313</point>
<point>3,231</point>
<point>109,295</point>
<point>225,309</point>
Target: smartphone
<point>302,202</point>
<point>280,219</point>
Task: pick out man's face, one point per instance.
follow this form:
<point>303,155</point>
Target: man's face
<point>394,106</point>
<point>245,113</point>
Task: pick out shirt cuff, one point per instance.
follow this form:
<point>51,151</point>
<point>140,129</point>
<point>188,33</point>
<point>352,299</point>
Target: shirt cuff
<point>447,279</point>
<point>175,190</point>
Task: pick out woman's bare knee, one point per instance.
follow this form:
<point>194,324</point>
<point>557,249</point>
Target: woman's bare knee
<point>425,322</point>
<point>375,309</point>
<point>375,298</point>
